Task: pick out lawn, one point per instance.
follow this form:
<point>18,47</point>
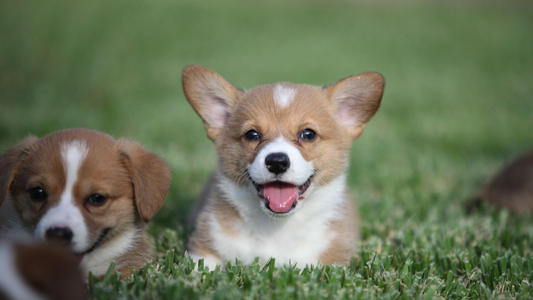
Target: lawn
<point>458,104</point>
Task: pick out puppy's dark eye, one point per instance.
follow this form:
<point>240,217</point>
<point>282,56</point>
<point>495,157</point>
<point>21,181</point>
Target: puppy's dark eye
<point>96,200</point>
<point>252,135</point>
<point>308,135</point>
<point>38,194</point>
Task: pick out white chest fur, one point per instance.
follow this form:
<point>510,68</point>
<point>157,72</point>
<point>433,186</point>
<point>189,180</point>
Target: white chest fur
<point>299,238</point>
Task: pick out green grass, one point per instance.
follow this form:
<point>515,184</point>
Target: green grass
<point>458,104</point>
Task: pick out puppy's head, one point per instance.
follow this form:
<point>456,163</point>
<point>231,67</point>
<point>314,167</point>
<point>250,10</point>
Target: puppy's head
<point>81,187</point>
<point>284,139</point>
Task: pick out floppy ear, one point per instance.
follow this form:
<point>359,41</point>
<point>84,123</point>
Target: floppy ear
<point>150,177</point>
<point>356,99</point>
<point>9,161</point>
<point>210,95</point>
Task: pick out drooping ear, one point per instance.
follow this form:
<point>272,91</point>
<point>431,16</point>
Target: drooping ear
<point>9,161</point>
<point>356,99</point>
<point>210,95</point>
<point>150,177</point>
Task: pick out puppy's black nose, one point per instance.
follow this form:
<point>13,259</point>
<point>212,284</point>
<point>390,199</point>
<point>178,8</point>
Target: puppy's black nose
<point>277,163</point>
<point>59,234</point>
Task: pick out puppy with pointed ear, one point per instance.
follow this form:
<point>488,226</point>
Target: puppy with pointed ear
<point>279,189</point>
<point>356,100</point>
<point>87,191</point>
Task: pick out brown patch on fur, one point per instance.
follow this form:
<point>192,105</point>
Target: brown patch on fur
<point>201,245</point>
<point>201,241</point>
<point>139,255</point>
<point>199,205</point>
<point>50,270</point>
<point>512,187</point>
<point>227,216</point>
<point>134,181</point>
<point>346,232</point>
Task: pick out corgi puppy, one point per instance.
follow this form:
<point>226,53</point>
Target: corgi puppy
<point>85,190</point>
<point>280,187</point>
<point>37,270</point>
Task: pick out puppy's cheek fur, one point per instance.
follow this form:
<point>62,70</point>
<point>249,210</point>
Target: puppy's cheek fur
<point>234,158</point>
<point>118,215</point>
<point>29,212</point>
<point>329,156</point>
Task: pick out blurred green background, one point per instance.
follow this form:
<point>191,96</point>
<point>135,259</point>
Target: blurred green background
<point>458,104</point>
<point>458,101</point>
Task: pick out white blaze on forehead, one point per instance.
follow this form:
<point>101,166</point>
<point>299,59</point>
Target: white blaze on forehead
<point>299,170</point>
<point>11,282</point>
<point>283,95</point>
<point>66,213</point>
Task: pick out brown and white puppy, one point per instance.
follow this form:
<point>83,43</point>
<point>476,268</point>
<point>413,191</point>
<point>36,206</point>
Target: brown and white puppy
<point>280,186</point>
<point>37,270</point>
<point>86,190</point>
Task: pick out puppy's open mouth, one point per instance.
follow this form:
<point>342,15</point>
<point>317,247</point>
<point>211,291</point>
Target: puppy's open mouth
<point>281,197</point>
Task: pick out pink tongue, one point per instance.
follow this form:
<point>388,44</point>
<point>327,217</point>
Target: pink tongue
<point>280,196</point>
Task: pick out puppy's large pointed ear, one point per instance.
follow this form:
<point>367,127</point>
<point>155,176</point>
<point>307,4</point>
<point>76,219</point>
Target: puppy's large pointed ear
<point>9,161</point>
<point>150,177</point>
<point>210,95</point>
<point>356,99</point>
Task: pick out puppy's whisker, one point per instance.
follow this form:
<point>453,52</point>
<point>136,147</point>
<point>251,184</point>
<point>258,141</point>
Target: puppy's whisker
<point>243,176</point>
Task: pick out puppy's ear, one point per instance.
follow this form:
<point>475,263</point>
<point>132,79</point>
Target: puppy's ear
<point>150,177</point>
<point>210,95</point>
<point>9,161</point>
<point>356,99</point>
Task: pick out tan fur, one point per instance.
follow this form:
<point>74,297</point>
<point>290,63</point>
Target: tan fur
<point>511,187</point>
<point>346,231</point>
<point>134,181</point>
<point>149,175</point>
<point>337,113</point>
<point>9,162</point>
<point>227,216</point>
<point>50,270</point>
<point>141,253</point>
<point>201,83</point>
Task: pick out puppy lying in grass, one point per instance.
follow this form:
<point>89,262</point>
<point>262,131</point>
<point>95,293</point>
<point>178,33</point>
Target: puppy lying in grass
<point>280,186</point>
<point>87,191</point>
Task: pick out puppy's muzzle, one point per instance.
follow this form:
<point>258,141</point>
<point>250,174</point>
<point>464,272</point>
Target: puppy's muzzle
<point>277,163</point>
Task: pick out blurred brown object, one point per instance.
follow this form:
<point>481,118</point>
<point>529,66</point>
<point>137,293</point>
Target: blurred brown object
<point>512,187</point>
<point>36,270</point>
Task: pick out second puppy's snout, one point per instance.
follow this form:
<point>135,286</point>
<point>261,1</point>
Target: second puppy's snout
<point>277,163</point>
<point>61,235</point>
